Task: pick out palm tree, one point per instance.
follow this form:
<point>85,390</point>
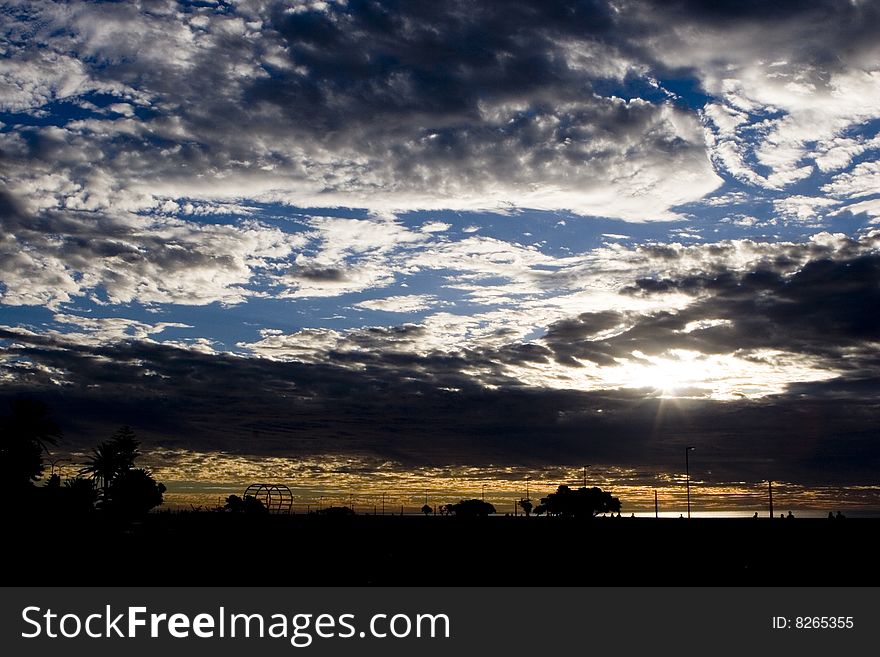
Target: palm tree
<point>103,465</point>
<point>112,458</point>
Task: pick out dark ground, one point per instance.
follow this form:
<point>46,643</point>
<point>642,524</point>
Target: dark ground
<point>227,549</point>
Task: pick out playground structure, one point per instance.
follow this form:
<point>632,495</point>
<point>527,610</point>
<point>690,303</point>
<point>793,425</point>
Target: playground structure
<point>277,498</point>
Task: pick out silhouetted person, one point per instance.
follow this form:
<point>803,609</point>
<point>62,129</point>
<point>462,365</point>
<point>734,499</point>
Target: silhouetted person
<point>840,516</point>
<point>756,515</point>
<point>831,515</point>
<point>790,515</point>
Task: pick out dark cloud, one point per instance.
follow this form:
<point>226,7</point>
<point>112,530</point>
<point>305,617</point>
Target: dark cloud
<point>827,308</point>
<point>423,64</point>
<point>430,409</point>
<point>320,274</point>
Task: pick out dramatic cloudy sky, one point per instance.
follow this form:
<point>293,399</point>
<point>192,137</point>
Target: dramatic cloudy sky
<point>310,238</point>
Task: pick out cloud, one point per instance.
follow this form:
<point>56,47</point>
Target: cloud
<point>803,208</point>
<point>423,411</point>
<point>56,256</point>
<point>210,105</point>
<point>789,90</point>
<point>435,227</point>
<point>400,304</point>
<point>863,180</point>
<point>722,320</point>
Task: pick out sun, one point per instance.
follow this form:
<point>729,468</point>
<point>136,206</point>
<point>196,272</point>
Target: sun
<point>677,373</point>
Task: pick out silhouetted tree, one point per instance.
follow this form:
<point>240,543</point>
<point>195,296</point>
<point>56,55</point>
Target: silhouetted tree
<point>471,508</point>
<point>25,435</point>
<point>526,506</point>
<point>113,457</point>
<point>103,465</point>
<point>125,444</point>
<point>125,490</point>
<point>249,504</point>
<point>427,510</point>
<point>133,493</point>
<point>581,503</point>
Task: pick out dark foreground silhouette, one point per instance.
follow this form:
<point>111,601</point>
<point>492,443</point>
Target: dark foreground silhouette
<point>204,548</point>
<point>96,529</point>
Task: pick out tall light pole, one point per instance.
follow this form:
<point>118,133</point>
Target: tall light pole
<point>585,474</point>
<point>484,493</point>
<point>687,475</point>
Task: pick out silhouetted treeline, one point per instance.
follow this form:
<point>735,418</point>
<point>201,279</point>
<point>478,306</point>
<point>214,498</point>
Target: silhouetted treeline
<point>109,483</point>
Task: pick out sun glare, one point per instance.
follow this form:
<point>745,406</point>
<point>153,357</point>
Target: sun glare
<point>669,375</point>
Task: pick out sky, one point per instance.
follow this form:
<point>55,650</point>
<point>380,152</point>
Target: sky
<point>375,244</point>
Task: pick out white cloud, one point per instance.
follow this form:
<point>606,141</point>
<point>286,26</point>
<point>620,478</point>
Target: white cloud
<point>863,180</point>
<point>409,303</point>
<point>101,330</point>
<point>134,258</point>
<point>803,208</point>
<point>435,227</point>
<point>871,208</point>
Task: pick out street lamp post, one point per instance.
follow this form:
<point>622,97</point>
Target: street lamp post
<point>687,476</point>
<point>585,474</point>
<point>483,497</point>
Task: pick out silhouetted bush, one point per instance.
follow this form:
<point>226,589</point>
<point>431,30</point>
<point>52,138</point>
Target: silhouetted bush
<point>336,512</point>
<point>470,508</point>
<point>249,504</point>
